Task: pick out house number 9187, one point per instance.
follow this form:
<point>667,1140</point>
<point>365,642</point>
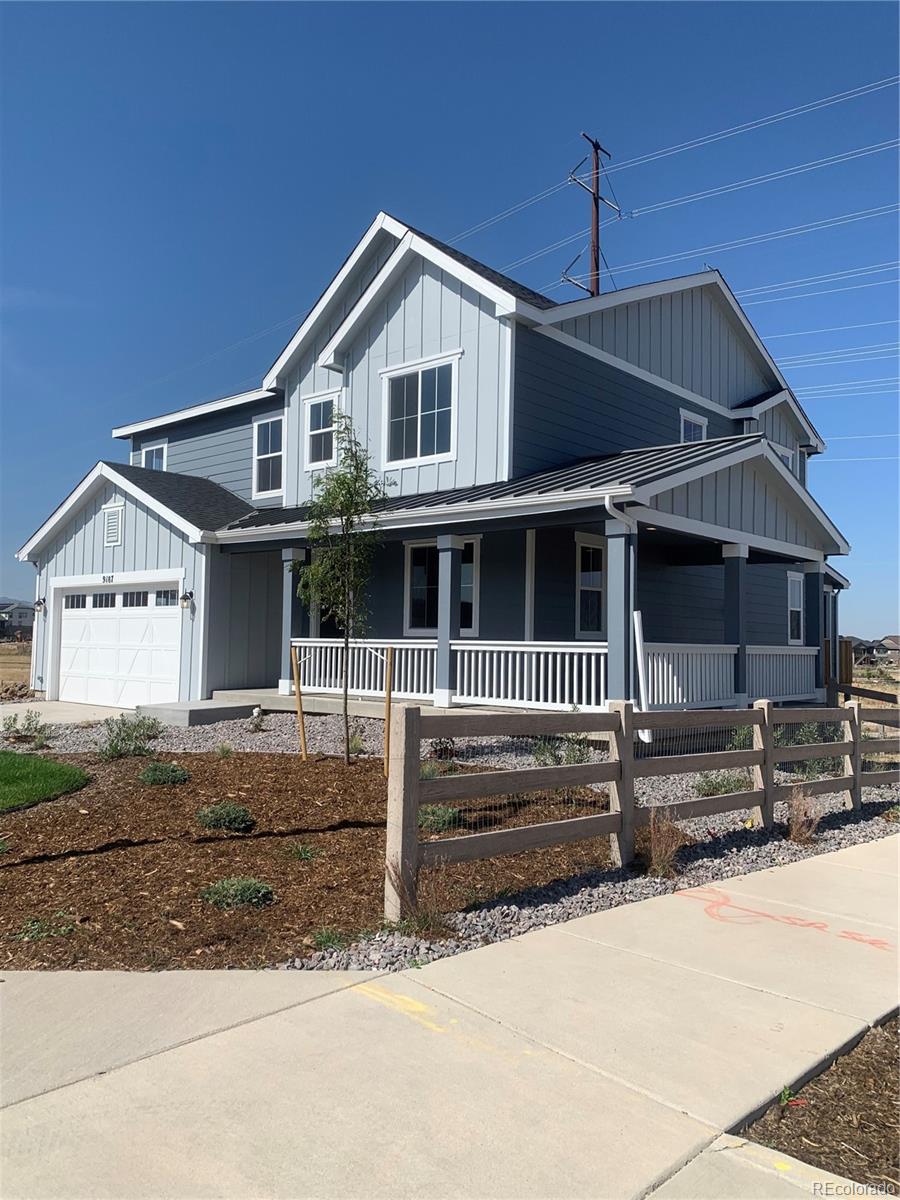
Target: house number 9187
<point>107,578</point>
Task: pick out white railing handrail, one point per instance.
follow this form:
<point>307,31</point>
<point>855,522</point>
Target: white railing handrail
<point>399,643</point>
<point>527,647</point>
<point>681,647</point>
<point>783,650</point>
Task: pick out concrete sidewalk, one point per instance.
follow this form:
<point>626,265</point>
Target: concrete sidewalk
<point>592,1059</point>
<point>61,712</point>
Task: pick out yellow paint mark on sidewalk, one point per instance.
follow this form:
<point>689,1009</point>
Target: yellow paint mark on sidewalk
<point>408,1006</point>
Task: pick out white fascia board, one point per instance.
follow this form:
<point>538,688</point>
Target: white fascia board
<point>281,364</point>
<point>721,533</point>
<point>621,364</point>
<point>786,396</point>
<point>833,573</point>
<point>451,514</point>
<point>629,295</point>
<point>410,245</point>
<point>196,410</point>
<point>762,449</point>
<point>91,482</point>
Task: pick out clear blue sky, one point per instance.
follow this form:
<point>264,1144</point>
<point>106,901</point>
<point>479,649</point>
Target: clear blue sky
<point>177,178</point>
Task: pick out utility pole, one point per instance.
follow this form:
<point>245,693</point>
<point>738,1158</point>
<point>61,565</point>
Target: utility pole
<point>596,201</point>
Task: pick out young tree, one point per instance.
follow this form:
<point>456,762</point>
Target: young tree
<point>343,544</point>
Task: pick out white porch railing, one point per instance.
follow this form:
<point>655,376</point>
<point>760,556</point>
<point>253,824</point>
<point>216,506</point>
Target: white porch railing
<point>681,675</point>
<point>531,674</point>
<point>322,661</point>
<point>781,672</point>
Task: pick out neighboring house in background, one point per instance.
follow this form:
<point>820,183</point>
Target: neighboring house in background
<point>16,618</point>
<point>888,649</point>
<point>874,653</point>
<point>567,481</point>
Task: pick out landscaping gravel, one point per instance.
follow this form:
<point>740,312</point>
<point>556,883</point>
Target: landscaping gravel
<point>723,848</point>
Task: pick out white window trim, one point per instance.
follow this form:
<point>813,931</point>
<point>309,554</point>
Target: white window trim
<point>162,445</point>
<point>801,641</point>
<point>261,420</point>
<point>687,415</point>
<point>418,365</point>
<point>596,542</point>
<point>779,449</point>
<point>316,398</point>
<point>408,547</point>
<point>113,506</point>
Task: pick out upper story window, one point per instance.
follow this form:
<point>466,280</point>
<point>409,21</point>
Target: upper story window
<point>321,444</point>
<point>422,569</point>
<point>154,457</point>
<point>419,412</point>
<point>795,609</point>
<point>693,428</point>
<point>268,456</point>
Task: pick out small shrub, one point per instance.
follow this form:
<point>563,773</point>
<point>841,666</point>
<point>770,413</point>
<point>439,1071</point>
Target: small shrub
<point>430,769</point>
<point>224,815</point>
<point>4,846</point>
<point>224,750</point>
<point>576,749</point>
<point>238,892</point>
<point>127,737</point>
<point>892,813</point>
<point>803,820</point>
<point>721,783</point>
<point>164,774</point>
<point>666,839</point>
<point>357,742</point>
<point>33,726</point>
<point>40,742</point>
<point>438,818</point>
<point>302,852</point>
<point>547,752</point>
<point>36,929</point>
<point>10,725</point>
<point>443,749</point>
<point>328,939</point>
<point>741,738</point>
<point>256,722</point>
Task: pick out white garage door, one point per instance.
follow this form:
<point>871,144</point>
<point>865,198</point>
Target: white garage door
<point>120,646</point>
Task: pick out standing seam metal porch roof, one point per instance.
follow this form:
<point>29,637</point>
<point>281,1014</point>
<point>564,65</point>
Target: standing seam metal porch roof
<point>628,468</point>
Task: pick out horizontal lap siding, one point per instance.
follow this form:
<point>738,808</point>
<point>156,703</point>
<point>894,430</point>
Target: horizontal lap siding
<point>569,406</point>
<point>688,337</point>
<point>681,603</point>
<point>767,604</point>
<point>218,447</point>
<point>148,544</point>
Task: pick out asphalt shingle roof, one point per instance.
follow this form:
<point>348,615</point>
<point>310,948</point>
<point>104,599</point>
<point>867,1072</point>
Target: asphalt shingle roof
<point>630,467</point>
<point>206,504</point>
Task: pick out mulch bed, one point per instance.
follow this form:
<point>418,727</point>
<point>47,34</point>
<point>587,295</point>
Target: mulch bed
<point>110,876</point>
<point>846,1121</point>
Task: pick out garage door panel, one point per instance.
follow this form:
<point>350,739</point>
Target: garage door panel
<point>120,657</point>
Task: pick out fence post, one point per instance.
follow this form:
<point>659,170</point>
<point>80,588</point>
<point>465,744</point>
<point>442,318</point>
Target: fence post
<point>853,760</point>
<point>621,790</point>
<point>764,772</point>
<point>401,851</point>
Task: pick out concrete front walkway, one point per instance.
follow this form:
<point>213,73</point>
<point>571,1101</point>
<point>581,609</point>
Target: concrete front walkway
<point>601,1058</point>
<point>62,712</point>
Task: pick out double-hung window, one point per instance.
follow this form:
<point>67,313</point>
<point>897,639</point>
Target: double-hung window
<point>795,609</point>
<point>588,586</point>
<point>693,428</point>
<point>267,456</point>
<point>422,570</point>
<point>420,415</point>
<point>321,449</point>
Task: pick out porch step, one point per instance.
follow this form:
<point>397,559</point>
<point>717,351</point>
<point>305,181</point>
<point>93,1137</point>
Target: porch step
<point>196,712</point>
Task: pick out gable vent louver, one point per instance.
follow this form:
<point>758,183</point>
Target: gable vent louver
<point>113,522</point>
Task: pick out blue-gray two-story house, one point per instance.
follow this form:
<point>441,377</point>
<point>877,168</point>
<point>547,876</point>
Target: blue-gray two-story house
<point>598,499</point>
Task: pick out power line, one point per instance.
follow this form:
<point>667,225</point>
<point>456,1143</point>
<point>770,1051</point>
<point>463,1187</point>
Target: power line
<point>842,350</point>
<point>885,356</point>
<point>680,147</point>
<point>828,329</point>
<point>848,382</point>
<point>822,292</point>
<point>868,269</point>
<point>852,437</point>
<point>878,458</point>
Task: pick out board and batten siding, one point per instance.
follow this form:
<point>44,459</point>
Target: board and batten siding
<point>149,543</point>
<point>688,337</point>
<point>428,313</point>
<point>746,499</point>
<point>245,619</point>
<point>218,446</point>
<point>568,406</point>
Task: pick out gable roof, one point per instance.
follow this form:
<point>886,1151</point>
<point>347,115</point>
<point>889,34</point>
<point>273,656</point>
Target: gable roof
<point>760,404</point>
<point>629,476</point>
<point>190,503</point>
<point>196,410</point>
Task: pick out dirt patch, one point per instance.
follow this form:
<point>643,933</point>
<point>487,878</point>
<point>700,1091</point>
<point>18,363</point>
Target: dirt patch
<point>110,877</point>
<point>846,1121</point>
<point>15,670</point>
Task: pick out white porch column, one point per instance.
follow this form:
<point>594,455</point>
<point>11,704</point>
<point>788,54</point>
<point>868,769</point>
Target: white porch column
<point>735,557</point>
<point>621,564</point>
<point>449,580</point>
<point>294,618</point>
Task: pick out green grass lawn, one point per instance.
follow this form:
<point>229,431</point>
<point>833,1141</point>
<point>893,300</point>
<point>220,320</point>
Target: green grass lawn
<point>26,779</point>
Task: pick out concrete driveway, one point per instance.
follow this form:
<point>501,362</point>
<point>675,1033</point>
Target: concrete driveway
<point>592,1059</point>
<point>62,712</point>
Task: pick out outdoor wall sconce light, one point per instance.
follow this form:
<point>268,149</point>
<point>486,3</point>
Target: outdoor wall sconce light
<point>41,604</point>
<point>187,598</point>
